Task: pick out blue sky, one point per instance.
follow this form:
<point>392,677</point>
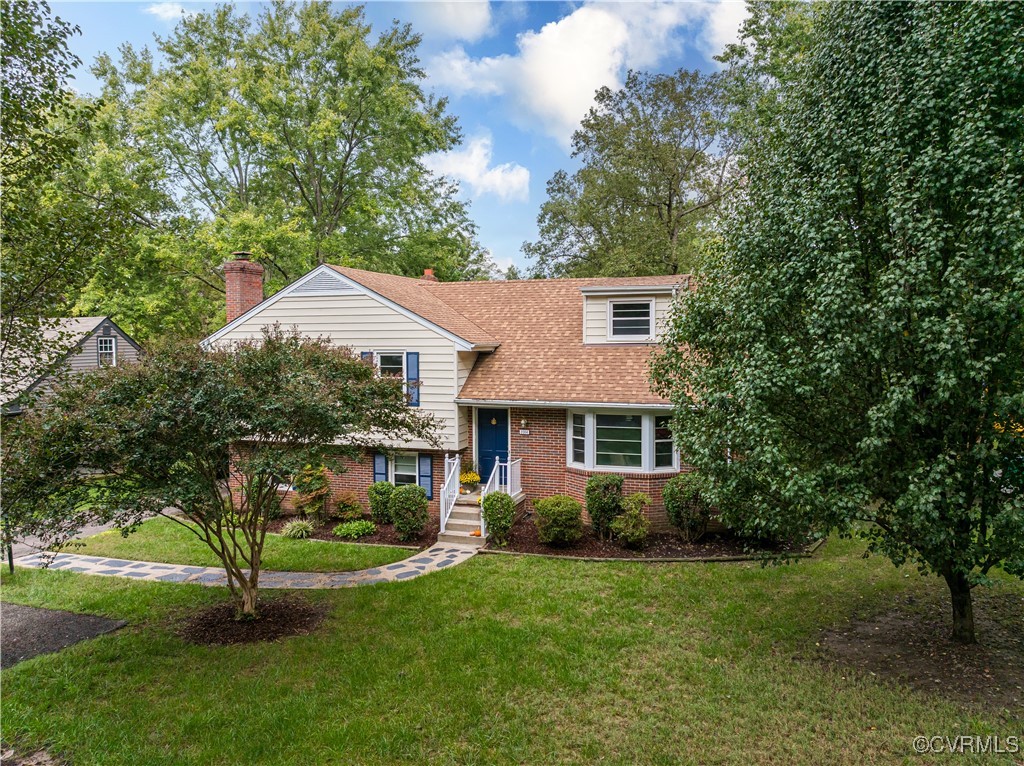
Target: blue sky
<point>519,76</point>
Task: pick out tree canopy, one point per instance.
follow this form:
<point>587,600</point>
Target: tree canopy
<point>851,356</point>
<point>656,160</point>
<point>209,432</point>
<point>298,134</point>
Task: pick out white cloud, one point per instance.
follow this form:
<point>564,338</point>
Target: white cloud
<point>168,11</point>
<point>468,20</point>
<point>471,164</point>
<point>552,77</point>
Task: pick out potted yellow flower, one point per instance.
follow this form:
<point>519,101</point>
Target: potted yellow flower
<point>470,481</point>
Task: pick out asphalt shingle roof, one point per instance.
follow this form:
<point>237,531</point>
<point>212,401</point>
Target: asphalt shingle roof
<point>537,325</point>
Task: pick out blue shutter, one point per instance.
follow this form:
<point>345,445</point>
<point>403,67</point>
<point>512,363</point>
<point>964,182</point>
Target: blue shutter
<point>380,467</point>
<point>365,356</point>
<point>427,474</point>
<point>412,377</point>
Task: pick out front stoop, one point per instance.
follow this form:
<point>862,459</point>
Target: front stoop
<point>464,519</point>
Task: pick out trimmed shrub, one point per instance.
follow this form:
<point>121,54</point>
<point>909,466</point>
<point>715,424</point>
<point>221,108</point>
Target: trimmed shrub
<point>632,526</point>
<point>299,529</point>
<point>313,493</point>
<point>349,507</point>
<point>604,502</point>
<point>499,511</point>
<point>408,511</point>
<point>352,530</point>
<point>685,506</point>
<point>559,520</point>
<point>380,501</point>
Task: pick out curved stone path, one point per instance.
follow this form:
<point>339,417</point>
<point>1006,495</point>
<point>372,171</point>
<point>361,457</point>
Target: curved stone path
<point>436,558</point>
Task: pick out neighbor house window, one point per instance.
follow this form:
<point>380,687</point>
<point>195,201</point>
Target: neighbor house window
<point>662,442</point>
<point>107,350</point>
<point>631,320</point>
<point>404,471</point>
<point>628,441</point>
<point>579,438</point>
<point>391,364</point>
<point>619,441</point>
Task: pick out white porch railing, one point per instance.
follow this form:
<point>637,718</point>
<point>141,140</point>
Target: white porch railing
<point>450,488</point>
<point>506,477</point>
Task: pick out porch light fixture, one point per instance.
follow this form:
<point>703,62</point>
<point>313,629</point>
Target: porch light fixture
<point>523,423</point>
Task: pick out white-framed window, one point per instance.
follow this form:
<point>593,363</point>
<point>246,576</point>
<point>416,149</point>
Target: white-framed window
<point>578,438</point>
<point>403,469</point>
<point>620,441</point>
<point>107,351</point>
<point>631,319</point>
<point>390,363</point>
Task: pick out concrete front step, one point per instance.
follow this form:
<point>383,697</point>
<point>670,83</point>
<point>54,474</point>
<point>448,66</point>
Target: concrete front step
<point>465,514</point>
<point>455,525</point>
<point>462,538</point>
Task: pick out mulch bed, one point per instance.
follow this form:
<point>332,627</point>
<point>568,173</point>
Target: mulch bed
<point>911,644</point>
<point>385,534</point>
<point>29,631</point>
<point>523,539</point>
<point>277,618</point>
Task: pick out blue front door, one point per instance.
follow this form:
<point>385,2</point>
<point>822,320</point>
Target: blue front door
<point>491,439</point>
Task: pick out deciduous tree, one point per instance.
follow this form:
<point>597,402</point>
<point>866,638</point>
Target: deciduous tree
<point>855,340</point>
<point>656,160</point>
<point>210,433</point>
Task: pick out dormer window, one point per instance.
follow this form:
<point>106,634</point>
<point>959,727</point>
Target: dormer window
<point>631,320</point>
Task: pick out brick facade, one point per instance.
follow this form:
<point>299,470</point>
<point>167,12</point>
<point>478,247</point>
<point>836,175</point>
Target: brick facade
<point>545,473</point>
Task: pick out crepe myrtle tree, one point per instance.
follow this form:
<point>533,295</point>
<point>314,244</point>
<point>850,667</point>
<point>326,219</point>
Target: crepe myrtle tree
<point>851,356</point>
<point>209,433</point>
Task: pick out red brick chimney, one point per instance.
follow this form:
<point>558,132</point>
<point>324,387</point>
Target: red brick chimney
<point>243,282</point>
<point>428,276</point>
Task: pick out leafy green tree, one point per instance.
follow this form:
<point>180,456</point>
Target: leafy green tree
<point>851,357</point>
<point>50,225</point>
<point>209,433</point>
<point>295,134</point>
<point>656,161</point>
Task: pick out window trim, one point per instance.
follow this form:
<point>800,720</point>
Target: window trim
<point>391,352</point>
<point>112,352</point>
<point>631,338</point>
<point>647,440</point>
<point>415,472</point>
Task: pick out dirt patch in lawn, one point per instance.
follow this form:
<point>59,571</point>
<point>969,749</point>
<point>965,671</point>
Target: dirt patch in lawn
<point>385,534</point>
<point>524,539</point>
<point>278,618</point>
<point>10,757</point>
<point>910,644</point>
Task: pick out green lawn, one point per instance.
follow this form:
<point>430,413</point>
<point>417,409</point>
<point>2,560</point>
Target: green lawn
<point>501,660</point>
<point>161,539</point>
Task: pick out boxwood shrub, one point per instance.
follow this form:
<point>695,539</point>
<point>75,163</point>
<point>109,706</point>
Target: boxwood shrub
<point>408,511</point>
<point>559,520</point>
<point>380,501</point>
<point>685,506</point>
<point>632,526</point>
<point>604,501</point>
<point>499,511</point>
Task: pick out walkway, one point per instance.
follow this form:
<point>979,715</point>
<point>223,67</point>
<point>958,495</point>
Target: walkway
<point>433,559</point>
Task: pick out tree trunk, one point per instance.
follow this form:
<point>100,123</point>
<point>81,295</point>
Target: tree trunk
<point>249,593</point>
<point>963,609</point>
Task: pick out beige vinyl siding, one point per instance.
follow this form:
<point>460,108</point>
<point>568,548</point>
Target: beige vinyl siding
<point>595,315</point>
<point>365,324</point>
<point>464,365</point>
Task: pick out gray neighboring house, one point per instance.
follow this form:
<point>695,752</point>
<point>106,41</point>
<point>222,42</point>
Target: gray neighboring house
<point>91,343</point>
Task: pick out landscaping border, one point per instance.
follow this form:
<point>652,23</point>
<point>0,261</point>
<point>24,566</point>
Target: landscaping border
<point>368,545</point>
<point>640,560</point>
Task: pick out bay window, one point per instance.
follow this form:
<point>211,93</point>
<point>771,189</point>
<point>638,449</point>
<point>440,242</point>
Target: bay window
<point>627,441</point>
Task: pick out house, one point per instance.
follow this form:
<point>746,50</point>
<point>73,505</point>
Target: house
<point>542,383</point>
<point>82,343</point>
